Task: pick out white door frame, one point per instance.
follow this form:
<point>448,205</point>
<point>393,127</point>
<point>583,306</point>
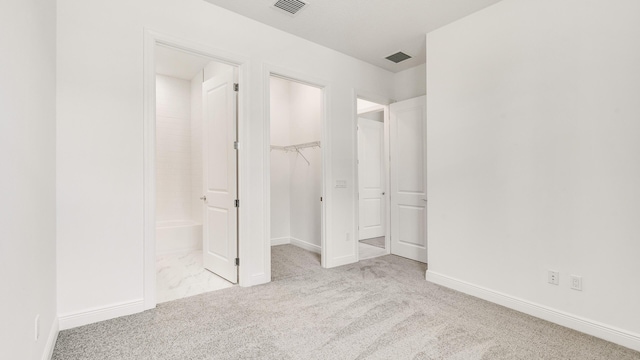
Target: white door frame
<point>387,165</point>
<point>268,72</point>
<point>151,39</point>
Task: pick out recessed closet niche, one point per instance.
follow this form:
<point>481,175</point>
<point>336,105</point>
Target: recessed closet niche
<point>296,164</point>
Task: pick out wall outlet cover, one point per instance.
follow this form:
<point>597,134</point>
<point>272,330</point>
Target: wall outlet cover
<point>553,277</point>
<point>576,282</point>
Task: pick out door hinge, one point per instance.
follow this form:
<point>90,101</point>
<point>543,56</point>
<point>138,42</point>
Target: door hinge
<point>236,145</point>
<point>237,261</point>
<point>237,203</point>
<point>236,87</point>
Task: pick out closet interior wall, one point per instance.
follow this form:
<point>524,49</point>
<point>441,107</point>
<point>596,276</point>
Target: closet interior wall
<point>296,185</point>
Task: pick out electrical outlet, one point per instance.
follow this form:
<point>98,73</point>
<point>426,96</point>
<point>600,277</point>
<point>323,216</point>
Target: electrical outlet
<point>553,277</point>
<point>37,328</point>
<point>348,238</point>
<point>576,282</point>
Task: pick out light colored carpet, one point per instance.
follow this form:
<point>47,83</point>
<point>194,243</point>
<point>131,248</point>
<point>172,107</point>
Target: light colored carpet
<point>377,242</point>
<point>376,309</point>
<point>289,261</point>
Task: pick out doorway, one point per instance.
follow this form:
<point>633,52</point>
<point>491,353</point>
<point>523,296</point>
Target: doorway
<point>373,179</point>
<point>196,213</point>
<point>296,117</point>
<point>392,198</point>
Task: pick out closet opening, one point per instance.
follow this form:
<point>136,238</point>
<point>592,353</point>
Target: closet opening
<point>373,179</point>
<point>296,176</point>
<point>196,221</point>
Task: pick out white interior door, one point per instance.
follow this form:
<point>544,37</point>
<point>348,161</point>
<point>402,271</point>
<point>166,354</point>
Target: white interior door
<point>408,129</point>
<point>371,178</point>
<point>220,220</point>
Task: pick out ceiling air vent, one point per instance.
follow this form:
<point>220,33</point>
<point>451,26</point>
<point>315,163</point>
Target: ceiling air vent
<point>398,57</point>
<point>292,7</point>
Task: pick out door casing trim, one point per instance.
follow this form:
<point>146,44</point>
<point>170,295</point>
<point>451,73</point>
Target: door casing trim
<point>151,39</point>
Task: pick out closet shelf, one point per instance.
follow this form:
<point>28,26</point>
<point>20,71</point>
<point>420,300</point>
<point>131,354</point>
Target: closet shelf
<point>296,148</point>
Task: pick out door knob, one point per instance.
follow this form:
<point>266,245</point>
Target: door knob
<point>203,198</point>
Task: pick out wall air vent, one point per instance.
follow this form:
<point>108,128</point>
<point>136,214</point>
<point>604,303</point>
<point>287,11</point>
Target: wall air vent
<point>398,57</point>
<point>292,7</point>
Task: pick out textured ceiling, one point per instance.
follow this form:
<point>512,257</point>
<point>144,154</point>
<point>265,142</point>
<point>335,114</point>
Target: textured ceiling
<point>369,30</point>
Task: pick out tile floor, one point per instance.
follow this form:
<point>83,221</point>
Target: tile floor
<point>181,275</point>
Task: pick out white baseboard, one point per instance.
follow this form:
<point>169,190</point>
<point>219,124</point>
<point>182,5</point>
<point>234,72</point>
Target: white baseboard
<point>280,241</point>
<point>594,328</point>
<point>69,321</point>
<point>257,279</point>
<point>305,245</point>
<point>342,260</point>
<point>51,340</point>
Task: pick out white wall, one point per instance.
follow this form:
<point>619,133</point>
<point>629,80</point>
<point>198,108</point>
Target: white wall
<point>533,158</point>
<point>375,116</point>
<point>214,69</point>
<point>173,149</point>
<point>296,187</point>
<point>410,83</point>
<point>280,118</point>
<point>28,181</point>
<point>306,178</point>
<point>100,132</point>
<point>364,105</point>
<point>197,177</point>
